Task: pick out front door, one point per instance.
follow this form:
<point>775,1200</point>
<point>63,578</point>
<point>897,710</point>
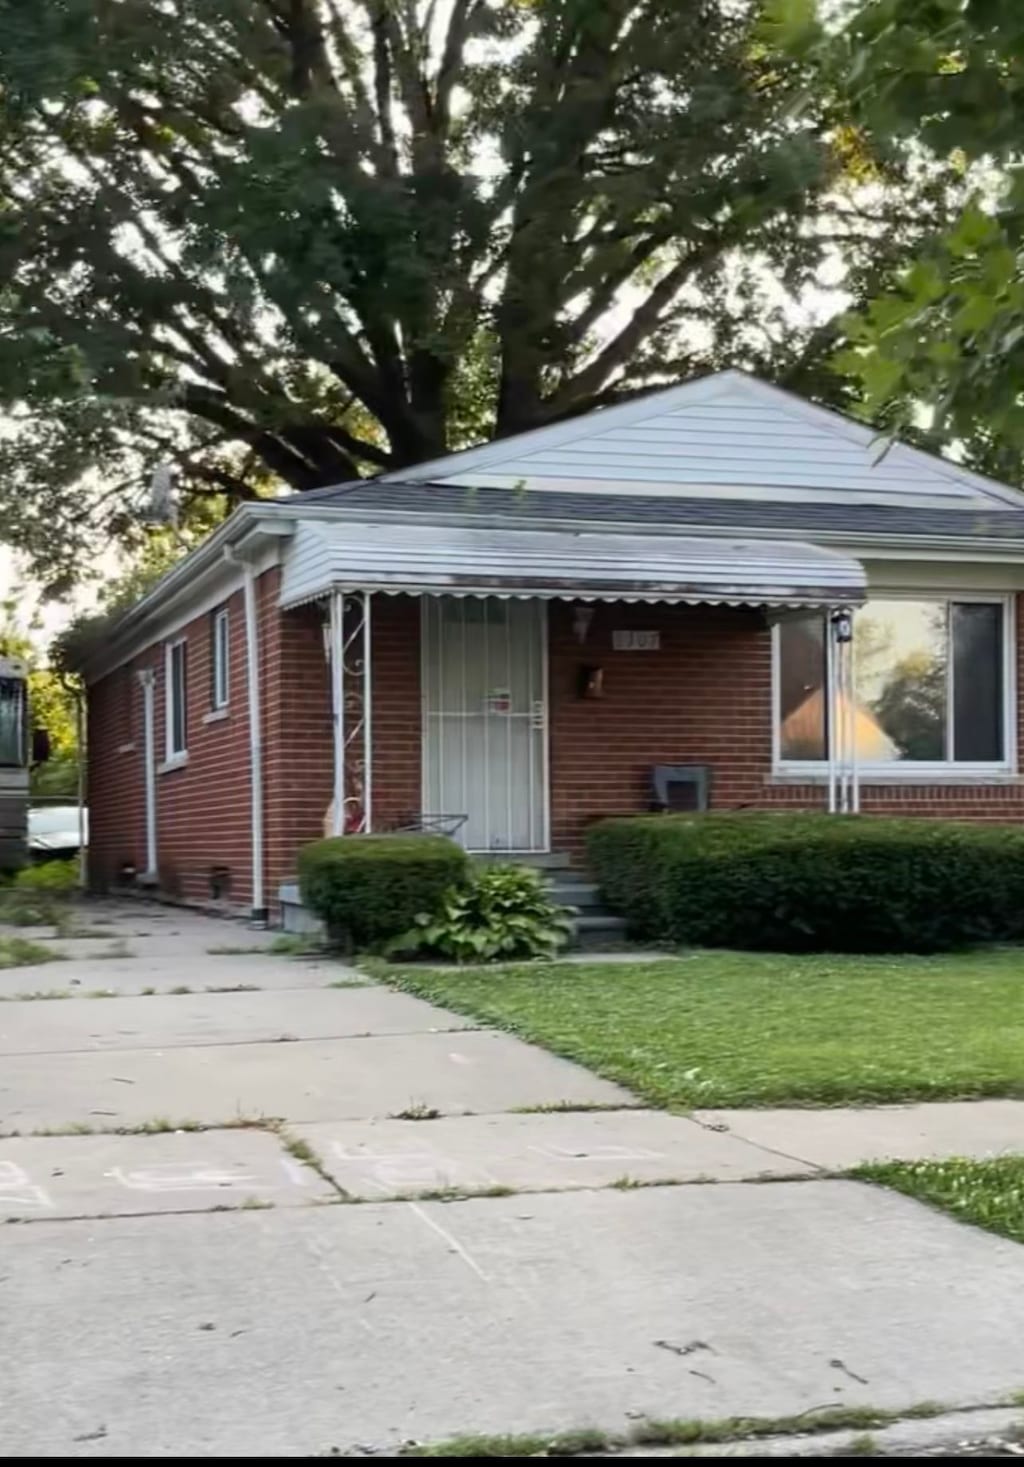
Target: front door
<point>484,720</point>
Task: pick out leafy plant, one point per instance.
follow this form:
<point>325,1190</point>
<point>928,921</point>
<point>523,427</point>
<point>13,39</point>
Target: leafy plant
<point>368,889</point>
<point>16,951</point>
<point>48,876</point>
<point>502,912</point>
<point>298,242</point>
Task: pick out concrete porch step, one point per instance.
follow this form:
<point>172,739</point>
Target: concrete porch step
<point>595,932</point>
<point>540,860</point>
<point>581,896</point>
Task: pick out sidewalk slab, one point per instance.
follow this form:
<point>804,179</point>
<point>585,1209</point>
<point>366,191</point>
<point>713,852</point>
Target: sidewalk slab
<point>169,1021</point>
<point>837,1139</point>
<point>549,1151</point>
<point>299,1331</point>
<point>78,977</point>
<point>117,1176</point>
<point>314,1080</point>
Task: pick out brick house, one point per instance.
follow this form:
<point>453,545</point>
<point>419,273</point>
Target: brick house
<point>716,594</point>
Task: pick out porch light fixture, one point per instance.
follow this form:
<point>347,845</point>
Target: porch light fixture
<point>591,684</point>
<point>581,618</point>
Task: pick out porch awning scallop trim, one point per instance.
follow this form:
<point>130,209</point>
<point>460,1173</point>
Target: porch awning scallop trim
<point>439,560</point>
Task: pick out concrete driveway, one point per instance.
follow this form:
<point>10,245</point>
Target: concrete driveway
<point>185,1270</point>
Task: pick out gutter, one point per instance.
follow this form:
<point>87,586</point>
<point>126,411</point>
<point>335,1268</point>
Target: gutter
<point>853,540</point>
<point>278,517</point>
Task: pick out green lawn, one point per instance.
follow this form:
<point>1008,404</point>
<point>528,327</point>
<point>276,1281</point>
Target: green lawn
<point>987,1193</point>
<point>743,1029</point>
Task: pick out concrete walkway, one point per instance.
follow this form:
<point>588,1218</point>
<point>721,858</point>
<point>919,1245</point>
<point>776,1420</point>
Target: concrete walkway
<point>189,1145</point>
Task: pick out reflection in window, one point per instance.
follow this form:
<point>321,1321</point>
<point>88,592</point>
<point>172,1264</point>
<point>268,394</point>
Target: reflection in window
<point>900,670</point>
<point>929,683</point>
<point>802,695</point>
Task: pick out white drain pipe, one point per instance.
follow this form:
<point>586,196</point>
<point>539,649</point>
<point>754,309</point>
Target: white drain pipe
<point>147,681</point>
<point>252,679</point>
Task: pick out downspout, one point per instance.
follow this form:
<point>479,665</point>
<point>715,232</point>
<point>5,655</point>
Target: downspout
<point>83,868</point>
<point>252,665</point>
<point>147,680</point>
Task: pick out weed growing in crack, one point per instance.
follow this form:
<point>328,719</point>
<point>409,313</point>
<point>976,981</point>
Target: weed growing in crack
<point>417,1112</point>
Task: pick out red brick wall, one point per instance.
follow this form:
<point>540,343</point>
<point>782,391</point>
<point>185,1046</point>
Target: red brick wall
<point>202,808</point>
<point>117,825</point>
<point>397,768</point>
<point>703,698</point>
<point>297,756</point>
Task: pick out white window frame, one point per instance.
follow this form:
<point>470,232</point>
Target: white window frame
<point>919,771</point>
<point>220,633</point>
<point>171,754</point>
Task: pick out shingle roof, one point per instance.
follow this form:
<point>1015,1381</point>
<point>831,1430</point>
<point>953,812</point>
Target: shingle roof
<point>431,500</point>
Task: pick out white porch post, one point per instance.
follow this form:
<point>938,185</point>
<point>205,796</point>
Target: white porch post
<point>843,781</point>
<point>337,635</point>
<point>367,713</point>
<point>352,709</point>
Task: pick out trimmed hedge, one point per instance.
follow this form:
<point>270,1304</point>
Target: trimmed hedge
<point>368,888</point>
<point>812,883</point>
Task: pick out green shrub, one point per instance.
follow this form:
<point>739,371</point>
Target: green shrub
<point>48,876</point>
<point>502,912</point>
<point>812,882</point>
<point>368,888</point>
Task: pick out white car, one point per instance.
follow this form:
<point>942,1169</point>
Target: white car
<point>53,832</point>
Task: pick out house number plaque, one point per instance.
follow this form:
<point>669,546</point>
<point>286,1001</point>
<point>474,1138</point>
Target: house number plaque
<point>636,641</point>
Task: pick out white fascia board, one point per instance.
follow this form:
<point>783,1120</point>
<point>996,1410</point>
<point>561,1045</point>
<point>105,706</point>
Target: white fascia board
<point>196,583</point>
<point>884,543</point>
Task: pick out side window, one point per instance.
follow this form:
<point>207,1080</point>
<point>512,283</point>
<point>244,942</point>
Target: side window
<point>176,715</point>
<point>220,658</point>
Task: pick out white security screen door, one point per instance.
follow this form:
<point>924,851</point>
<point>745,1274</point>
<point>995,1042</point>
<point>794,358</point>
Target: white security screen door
<point>484,720</point>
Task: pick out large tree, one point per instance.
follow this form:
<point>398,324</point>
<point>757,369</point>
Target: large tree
<point>294,241</point>
<point>947,334</point>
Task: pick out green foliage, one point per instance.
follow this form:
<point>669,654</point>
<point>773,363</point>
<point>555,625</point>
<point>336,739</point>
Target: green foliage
<point>154,553</point>
<point>947,329</point>
<point>17,952</point>
<point>37,895</point>
<point>52,700</point>
<point>47,876</point>
<point>812,882</point>
<point>502,912</point>
<point>988,1193</point>
<point>289,244</point>
<point>369,888</point>
<point>746,1029</point>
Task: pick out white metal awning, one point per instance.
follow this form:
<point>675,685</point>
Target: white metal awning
<point>440,560</point>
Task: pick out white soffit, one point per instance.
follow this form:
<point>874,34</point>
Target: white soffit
<point>728,435</point>
<point>559,564</point>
